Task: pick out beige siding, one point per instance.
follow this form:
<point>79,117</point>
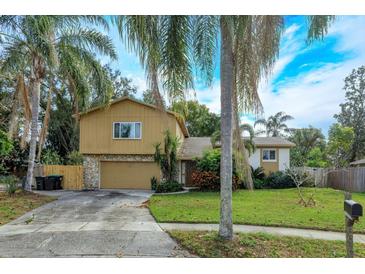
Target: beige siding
<point>96,129</point>
<point>270,166</point>
<point>179,133</point>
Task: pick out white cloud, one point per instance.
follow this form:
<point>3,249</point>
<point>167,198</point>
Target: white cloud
<point>313,97</point>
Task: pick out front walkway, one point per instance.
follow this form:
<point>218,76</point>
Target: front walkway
<point>281,231</point>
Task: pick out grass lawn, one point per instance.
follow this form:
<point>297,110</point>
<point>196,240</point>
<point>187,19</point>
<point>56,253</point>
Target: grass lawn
<point>260,245</point>
<point>260,207</point>
<point>11,207</point>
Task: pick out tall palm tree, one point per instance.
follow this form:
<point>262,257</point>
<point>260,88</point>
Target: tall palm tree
<point>41,42</point>
<point>248,49</point>
<point>275,125</point>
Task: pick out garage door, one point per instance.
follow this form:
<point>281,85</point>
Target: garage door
<point>134,175</point>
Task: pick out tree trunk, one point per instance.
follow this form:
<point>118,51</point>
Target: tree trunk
<point>226,73</point>
<point>155,90</point>
<point>27,116</point>
<point>35,86</point>
<point>43,135</point>
<point>13,124</point>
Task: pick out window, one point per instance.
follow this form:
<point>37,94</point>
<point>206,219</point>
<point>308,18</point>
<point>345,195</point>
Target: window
<point>269,155</point>
<point>127,130</point>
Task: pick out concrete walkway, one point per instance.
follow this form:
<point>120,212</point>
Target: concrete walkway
<point>281,231</point>
<point>89,224</point>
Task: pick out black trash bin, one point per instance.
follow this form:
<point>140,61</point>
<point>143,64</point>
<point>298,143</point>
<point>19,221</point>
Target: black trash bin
<point>56,181</point>
<point>40,182</point>
<point>50,183</point>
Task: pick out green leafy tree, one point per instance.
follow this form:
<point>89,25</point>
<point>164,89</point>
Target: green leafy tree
<point>305,140</point>
<point>316,158</point>
<point>199,120</point>
<point>148,96</point>
<point>44,44</point>
<point>275,125</point>
<point>167,160</point>
<point>353,111</point>
<point>6,146</point>
<point>340,141</point>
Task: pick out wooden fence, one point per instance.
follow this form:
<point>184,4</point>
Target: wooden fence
<point>351,179</point>
<point>72,175</point>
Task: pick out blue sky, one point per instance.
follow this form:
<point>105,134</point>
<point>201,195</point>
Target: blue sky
<point>306,82</point>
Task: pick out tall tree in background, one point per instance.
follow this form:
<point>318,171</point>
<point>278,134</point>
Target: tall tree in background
<point>275,125</point>
<point>199,120</point>
<point>45,44</point>
<point>305,139</point>
<point>340,141</point>
<point>353,111</point>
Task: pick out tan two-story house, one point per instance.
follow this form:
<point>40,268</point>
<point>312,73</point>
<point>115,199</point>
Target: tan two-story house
<point>117,143</point>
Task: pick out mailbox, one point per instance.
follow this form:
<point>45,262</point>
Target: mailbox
<point>352,209</point>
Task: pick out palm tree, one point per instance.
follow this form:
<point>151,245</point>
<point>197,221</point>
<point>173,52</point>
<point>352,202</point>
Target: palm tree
<point>248,48</point>
<point>306,139</point>
<point>275,125</point>
<point>41,44</point>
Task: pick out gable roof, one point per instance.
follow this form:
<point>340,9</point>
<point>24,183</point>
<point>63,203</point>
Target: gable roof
<point>272,141</point>
<point>194,147</point>
<point>180,120</point>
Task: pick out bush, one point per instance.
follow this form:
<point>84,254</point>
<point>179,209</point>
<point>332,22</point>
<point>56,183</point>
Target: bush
<point>11,183</point>
<point>210,161</point>
<point>258,183</point>
<point>278,180</point>
<point>168,186</point>
<point>210,181</point>
<point>51,157</point>
<point>154,183</point>
<point>74,158</point>
<point>258,173</point>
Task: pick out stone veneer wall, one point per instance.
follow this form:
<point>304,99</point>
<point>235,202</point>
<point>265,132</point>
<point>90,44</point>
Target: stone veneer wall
<point>92,166</point>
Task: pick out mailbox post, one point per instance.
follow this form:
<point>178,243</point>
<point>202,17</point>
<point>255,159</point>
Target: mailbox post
<point>353,211</point>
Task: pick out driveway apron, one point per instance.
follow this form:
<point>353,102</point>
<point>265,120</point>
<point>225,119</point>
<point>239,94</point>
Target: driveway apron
<point>103,223</point>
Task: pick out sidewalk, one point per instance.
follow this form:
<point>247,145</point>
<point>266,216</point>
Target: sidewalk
<point>281,231</point>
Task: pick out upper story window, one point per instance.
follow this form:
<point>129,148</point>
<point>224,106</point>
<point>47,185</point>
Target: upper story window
<point>127,130</point>
<point>269,155</point>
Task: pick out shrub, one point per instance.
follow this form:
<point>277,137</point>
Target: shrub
<point>278,180</point>
<point>167,159</point>
<point>210,161</point>
<point>51,157</point>
<point>11,183</point>
<point>168,186</point>
<point>154,183</point>
<point>74,158</point>
<point>210,181</point>
<point>257,173</point>
<point>258,183</point>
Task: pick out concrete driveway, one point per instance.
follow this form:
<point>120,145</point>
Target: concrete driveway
<point>91,224</point>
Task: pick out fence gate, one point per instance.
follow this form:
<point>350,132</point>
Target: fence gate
<point>72,175</point>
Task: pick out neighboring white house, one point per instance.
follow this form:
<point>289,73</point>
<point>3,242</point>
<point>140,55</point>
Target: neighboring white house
<point>272,153</point>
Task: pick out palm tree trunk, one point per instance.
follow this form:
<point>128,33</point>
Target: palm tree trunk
<point>27,116</point>
<point>226,73</point>
<point>35,87</point>
<point>155,90</point>
<point>43,135</point>
<point>14,110</point>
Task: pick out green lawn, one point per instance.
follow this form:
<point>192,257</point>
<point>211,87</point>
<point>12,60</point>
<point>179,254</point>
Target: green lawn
<point>260,207</point>
<point>11,207</point>
<point>260,245</point>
